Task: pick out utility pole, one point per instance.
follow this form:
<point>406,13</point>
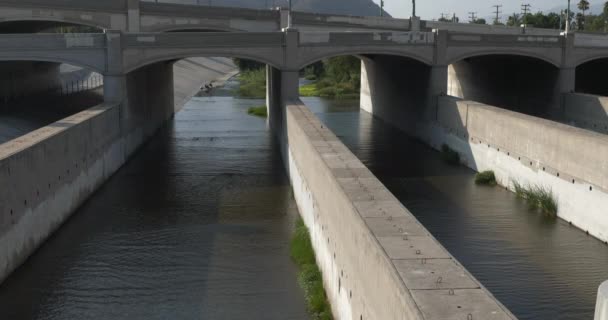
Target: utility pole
<point>568,18</point>
<point>472,17</point>
<point>497,19</point>
<point>525,8</point>
<point>289,15</point>
<point>381,8</point>
<point>413,8</point>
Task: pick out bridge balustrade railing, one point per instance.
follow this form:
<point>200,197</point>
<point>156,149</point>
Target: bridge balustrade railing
<point>105,5</point>
<point>176,8</point>
<point>205,39</point>
<point>590,40</point>
<point>51,41</point>
<point>468,39</point>
<point>321,38</point>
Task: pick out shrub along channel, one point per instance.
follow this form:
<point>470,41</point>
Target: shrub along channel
<point>538,198</point>
<point>310,277</point>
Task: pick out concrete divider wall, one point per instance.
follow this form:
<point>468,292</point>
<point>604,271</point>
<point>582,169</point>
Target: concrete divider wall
<point>568,160</point>
<point>586,111</point>
<point>46,174</point>
<point>378,261</point>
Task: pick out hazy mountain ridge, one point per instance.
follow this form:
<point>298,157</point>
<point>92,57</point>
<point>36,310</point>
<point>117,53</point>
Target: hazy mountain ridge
<point>344,7</point>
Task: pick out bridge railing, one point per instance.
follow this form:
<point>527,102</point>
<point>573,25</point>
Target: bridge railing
<point>457,39</point>
<point>24,42</point>
<point>325,20</point>
<point>172,9</point>
<point>487,29</point>
<point>590,40</point>
<point>320,38</point>
<point>94,5</point>
<point>204,39</point>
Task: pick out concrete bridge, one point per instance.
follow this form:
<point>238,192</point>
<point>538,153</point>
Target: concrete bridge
<point>144,16</point>
<point>455,62</point>
<point>457,85</point>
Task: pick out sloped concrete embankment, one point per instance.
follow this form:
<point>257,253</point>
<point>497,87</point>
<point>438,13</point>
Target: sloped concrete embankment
<point>378,261</point>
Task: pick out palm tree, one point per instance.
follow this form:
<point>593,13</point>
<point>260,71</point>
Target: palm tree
<point>583,5</point>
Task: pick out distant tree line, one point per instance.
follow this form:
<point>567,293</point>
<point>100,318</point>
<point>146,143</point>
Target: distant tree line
<point>579,20</point>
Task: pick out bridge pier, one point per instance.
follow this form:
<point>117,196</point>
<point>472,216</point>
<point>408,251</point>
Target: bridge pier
<point>282,88</point>
<point>400,91</point>
<point>565,85</point>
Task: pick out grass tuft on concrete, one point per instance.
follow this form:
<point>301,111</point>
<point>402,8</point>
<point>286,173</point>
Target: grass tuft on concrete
<point>485,178</point>
<point>538,198</point>
<point>449,155</point>
<point>260,111</point>
<point>310,277</point>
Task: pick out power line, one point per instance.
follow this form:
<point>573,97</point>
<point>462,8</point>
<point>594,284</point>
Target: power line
<point>497,19</point>
<point>525,8</point>
<point>473,16</point>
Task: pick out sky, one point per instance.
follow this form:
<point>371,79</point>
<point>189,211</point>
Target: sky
<point>432,9</point>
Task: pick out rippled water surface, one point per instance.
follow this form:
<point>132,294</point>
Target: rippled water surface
<point>539,269</point>
<point>195,226</point>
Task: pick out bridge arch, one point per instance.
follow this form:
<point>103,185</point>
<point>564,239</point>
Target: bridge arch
<point>517,80</point>
<point>590,75</point>
<point>308,57</point>
<point>504,52</point>
<point>162,56</point>
<point>76,61</point>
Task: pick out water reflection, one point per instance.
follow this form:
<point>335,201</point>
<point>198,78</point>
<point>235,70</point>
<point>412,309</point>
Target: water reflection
<point>195,226</point>
<point>539,269</point>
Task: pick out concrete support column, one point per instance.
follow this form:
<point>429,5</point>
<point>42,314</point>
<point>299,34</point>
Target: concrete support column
<point>282,88</point>
<point>290,86</point>
<point>438,86</point>
<point>397,90</point>
<point>133,16</point>
<point>566,81</point>
<point>114,90</point>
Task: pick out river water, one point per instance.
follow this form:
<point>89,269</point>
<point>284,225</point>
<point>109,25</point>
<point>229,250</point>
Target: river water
<point>539,269</point>
<point>195,226</point>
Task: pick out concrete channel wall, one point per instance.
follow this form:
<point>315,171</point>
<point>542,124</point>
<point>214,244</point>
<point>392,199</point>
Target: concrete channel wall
<point>517,147</point>
<point>378,261</point>
<point>586,111</point>
<point>46,174</point>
